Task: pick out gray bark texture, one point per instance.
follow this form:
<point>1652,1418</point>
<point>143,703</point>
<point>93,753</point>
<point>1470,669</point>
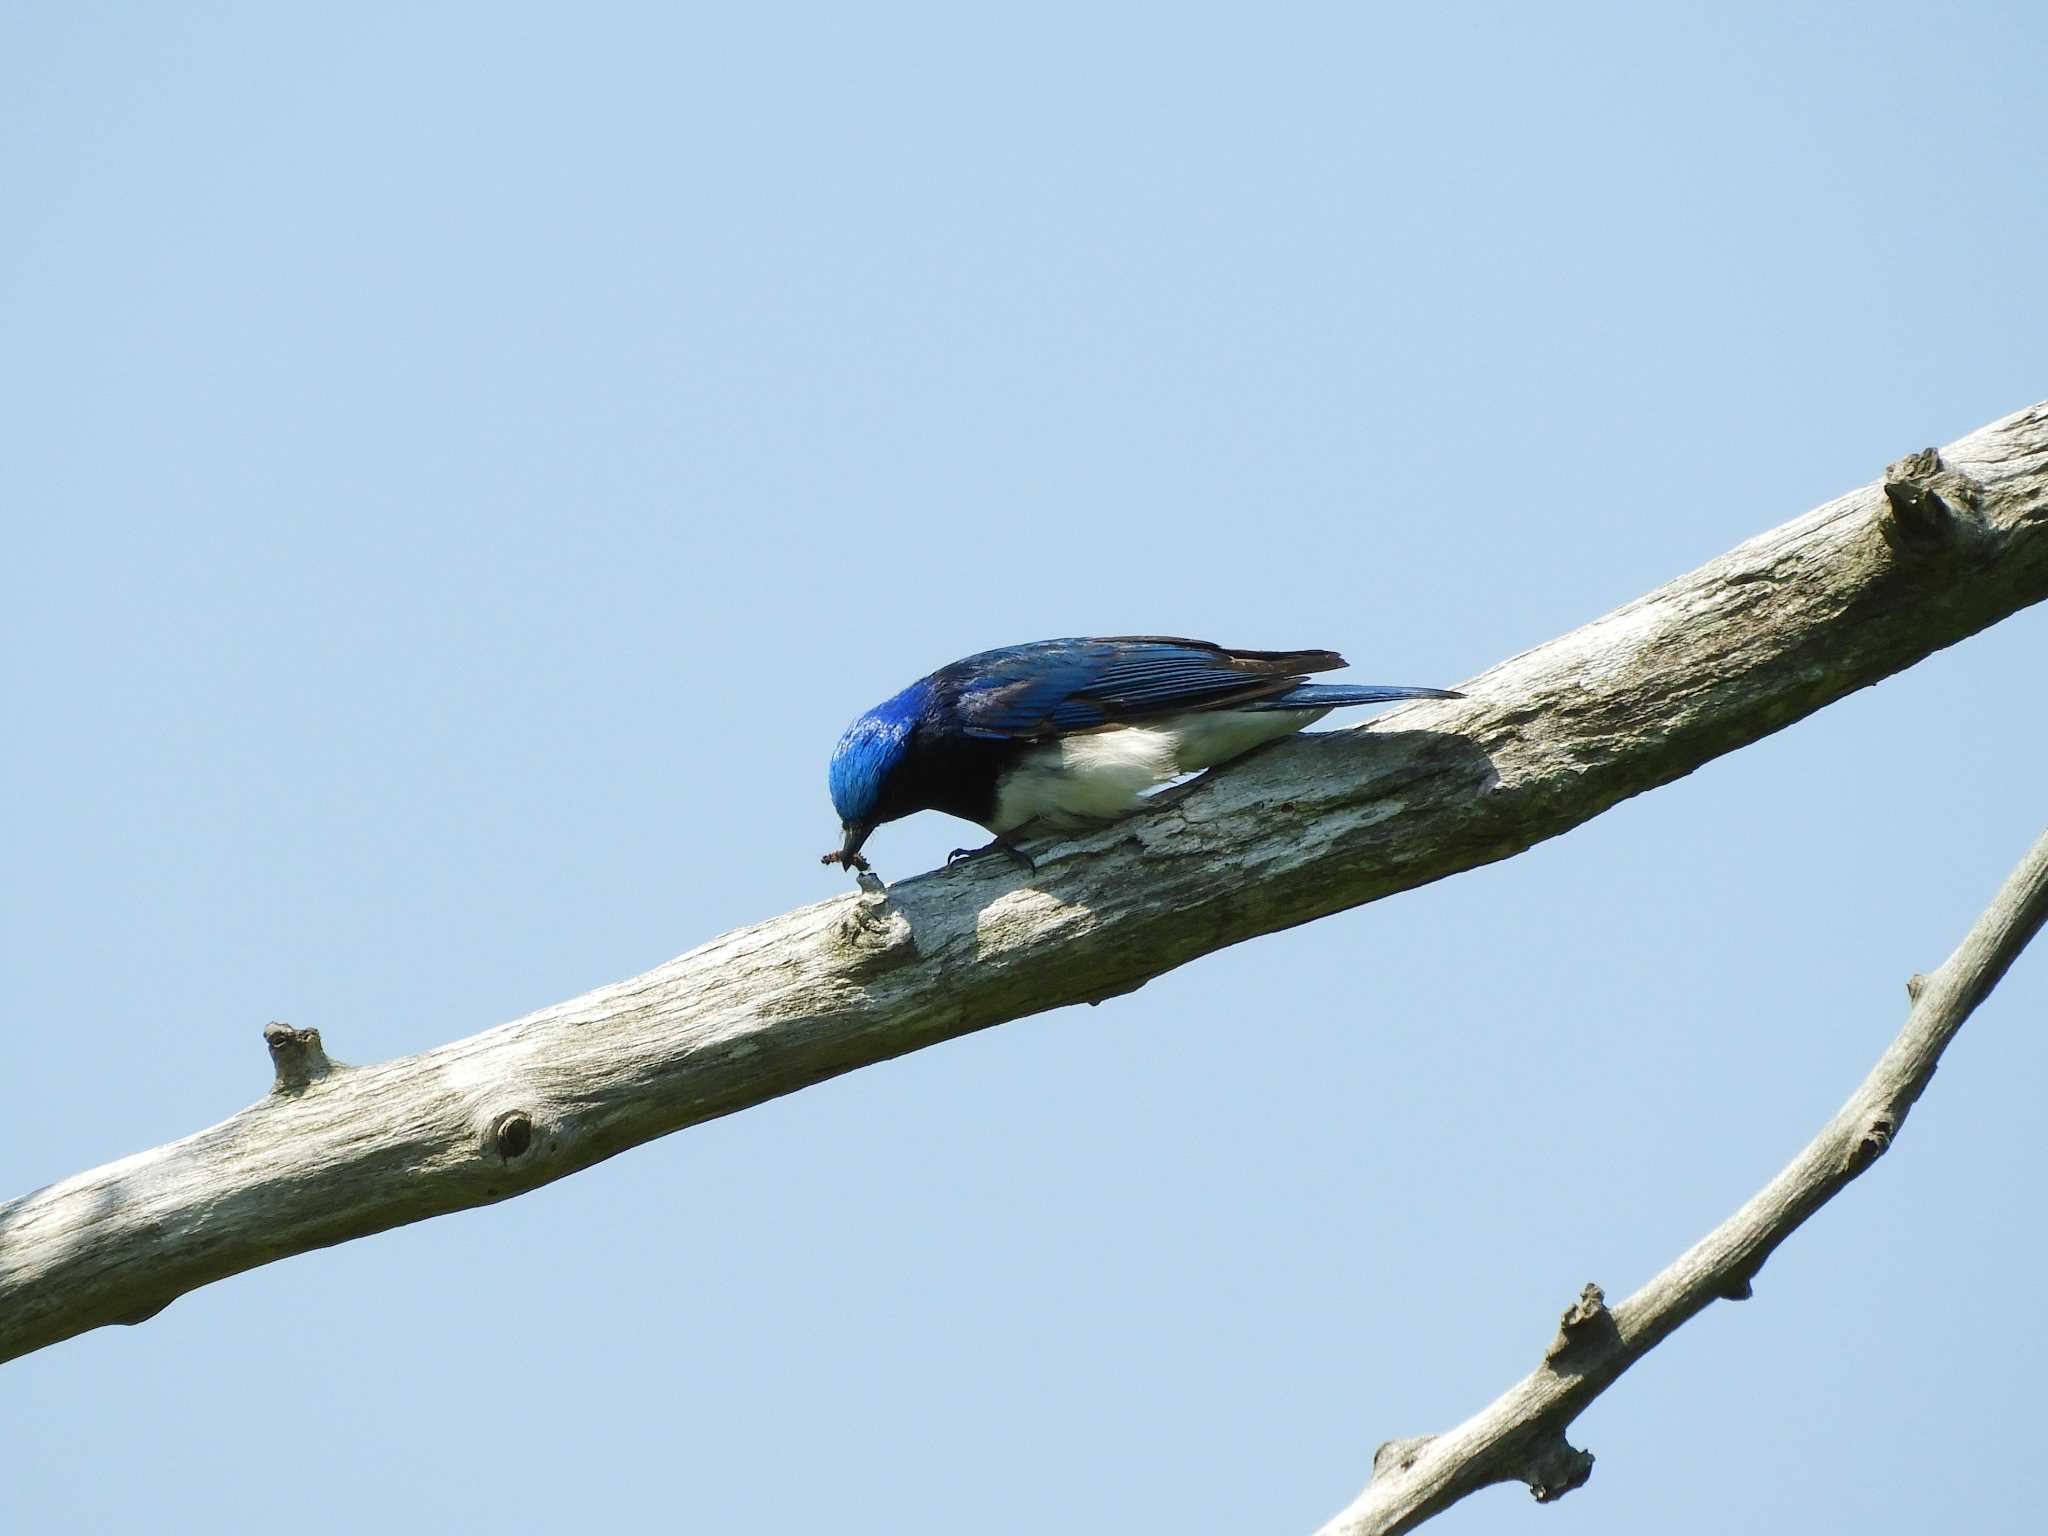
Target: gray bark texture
<point>1943,546</point>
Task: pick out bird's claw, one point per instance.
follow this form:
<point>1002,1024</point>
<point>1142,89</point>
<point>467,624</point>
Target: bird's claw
<point>1017,855</point>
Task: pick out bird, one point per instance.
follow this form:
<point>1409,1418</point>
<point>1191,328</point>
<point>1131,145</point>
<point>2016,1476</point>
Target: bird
<point>1059,735</point>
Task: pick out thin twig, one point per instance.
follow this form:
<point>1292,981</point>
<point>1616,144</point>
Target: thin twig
<point>1521,1434</point>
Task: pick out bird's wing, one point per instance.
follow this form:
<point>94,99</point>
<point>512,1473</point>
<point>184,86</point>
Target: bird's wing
<point>1053,687</point>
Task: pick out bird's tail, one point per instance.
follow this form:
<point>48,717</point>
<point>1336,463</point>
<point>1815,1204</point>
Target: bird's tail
<point>1337,695</point>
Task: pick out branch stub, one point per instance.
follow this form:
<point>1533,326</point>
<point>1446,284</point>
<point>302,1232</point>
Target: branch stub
<point>296,1056</point>
<point>1927,504</point>
<point>1555,1469</point>
<point>1586,1325</point>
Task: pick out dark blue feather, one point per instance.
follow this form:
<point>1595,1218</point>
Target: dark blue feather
<point>1052,687</point>
<point>1337,695</point>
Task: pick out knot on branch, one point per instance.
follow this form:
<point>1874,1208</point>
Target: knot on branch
<point>1121,989</point>
<point>1397,1456</point>
<point>512,1134</point>
<point>143,1312</point>
<point>1554,1469</point>
<point>296,1057</point>
<point>1929,507</point>
<point>874,936</point>
<point>1587,1327</point>
<point>1875,1141</point>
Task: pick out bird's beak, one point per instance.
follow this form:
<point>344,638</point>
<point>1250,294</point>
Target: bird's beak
<point>847,855</point>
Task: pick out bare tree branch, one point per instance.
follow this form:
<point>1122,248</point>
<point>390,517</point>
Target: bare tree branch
<point>1766,634</point>
<point>1521,1434</point>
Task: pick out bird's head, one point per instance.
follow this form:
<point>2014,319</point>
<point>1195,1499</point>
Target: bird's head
<point>863,764</point>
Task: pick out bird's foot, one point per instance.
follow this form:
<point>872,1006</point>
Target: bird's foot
<point>1000,845</point>
<point>853,861</point>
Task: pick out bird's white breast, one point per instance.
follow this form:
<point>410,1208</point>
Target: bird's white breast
<point>1097,776</point>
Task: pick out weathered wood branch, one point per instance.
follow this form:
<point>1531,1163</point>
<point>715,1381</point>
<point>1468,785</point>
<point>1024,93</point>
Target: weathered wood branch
<point>1768,633</point>
<point>1520,1436</point>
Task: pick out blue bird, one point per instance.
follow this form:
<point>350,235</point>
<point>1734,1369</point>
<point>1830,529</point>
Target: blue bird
<point>1063,734</point>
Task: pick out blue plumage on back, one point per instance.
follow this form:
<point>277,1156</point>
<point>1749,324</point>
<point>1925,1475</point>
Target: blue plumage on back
<point>1064,733</point>
<point>1054,686</point>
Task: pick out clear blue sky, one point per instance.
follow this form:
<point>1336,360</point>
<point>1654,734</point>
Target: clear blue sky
<point>463,465</point>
